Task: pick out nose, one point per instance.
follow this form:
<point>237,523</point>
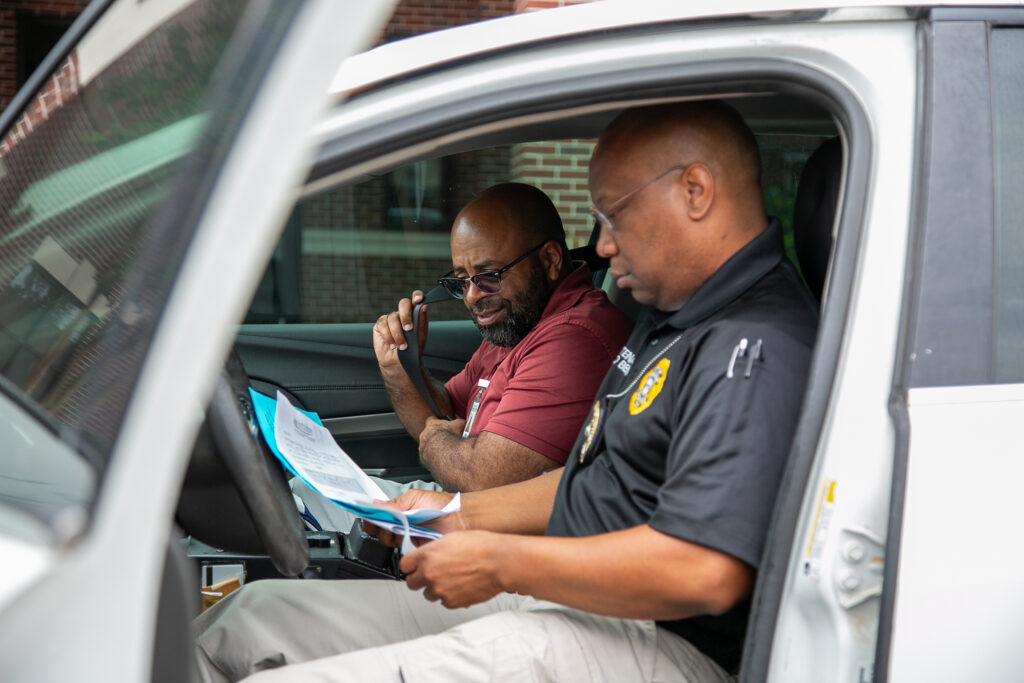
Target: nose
<point>473,294</point>
<point>605,247</point>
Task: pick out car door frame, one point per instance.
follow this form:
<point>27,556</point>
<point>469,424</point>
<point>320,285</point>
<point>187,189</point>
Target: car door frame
<point>107,589</point>
<point>395,137</point>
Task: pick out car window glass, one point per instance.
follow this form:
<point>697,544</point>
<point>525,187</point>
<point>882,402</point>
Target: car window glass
<point>45,485</point>
<point>348,255</point>
<point>83,170</point>
<point>1007,55</point>
<point>783,156</point>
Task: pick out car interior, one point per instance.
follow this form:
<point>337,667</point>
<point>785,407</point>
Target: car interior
<point>307,333</point>
<point>327,365</point>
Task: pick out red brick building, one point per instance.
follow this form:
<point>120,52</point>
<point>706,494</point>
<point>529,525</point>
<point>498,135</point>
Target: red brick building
<point>29,28</point>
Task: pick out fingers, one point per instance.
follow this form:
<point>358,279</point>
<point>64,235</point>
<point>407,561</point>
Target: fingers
<point>390,328</point>
<point>403,317</point>
<point>385,537</point>
<point>405,308</point>
<point>408,564</point>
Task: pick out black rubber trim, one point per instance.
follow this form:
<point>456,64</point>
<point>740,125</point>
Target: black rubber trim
<point>410,358</point>
<point>771,579</point>
<point>902,375</point>
<point>901,371</point>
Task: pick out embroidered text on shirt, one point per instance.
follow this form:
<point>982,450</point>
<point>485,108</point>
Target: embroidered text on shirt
<point>624,361</point>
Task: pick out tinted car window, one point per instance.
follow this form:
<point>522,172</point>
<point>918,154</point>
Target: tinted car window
<point>349,254</point>
<point>83,271</point>
<point>1007,54</point>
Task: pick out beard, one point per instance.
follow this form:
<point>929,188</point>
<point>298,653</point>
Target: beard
<point>522,313</point>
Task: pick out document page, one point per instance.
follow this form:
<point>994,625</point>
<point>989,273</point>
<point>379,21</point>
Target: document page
<point>309,450</point>
<point>318,459</point>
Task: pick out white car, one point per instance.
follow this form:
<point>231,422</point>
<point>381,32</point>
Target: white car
<point>185,178</point>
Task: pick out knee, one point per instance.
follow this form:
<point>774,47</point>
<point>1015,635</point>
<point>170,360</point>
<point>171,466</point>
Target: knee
<point>251,600</point>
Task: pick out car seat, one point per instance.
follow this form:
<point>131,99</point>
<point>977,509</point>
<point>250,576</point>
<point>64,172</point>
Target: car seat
<point>814,211</point>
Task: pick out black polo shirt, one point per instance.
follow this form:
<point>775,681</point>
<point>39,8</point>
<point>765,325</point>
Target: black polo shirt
<point>693,423</point>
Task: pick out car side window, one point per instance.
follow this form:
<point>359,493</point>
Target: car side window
<point>1007,58</point>
<point>349,254</point>
<point>968,279</point>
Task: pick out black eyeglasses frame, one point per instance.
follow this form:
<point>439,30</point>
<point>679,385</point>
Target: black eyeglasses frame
<point>457,286</point>
<point>620,204</point>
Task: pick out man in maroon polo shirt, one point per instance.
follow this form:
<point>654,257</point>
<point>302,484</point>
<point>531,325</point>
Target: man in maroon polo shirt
<point>549,336</point>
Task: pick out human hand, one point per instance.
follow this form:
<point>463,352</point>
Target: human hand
<point>433,424</point>
<point>389,330</point>
<point>460,569</point>
<point>413,499</point>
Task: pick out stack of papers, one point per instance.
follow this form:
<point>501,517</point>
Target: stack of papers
<point>307,450</point>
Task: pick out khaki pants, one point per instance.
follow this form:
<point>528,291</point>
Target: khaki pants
<point>379,630</point>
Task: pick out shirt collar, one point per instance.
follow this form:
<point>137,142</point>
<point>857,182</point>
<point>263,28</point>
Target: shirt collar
<point>735,276</point>
<point>569,291</point>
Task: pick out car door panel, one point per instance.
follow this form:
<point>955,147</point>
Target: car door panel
<point>332,371</point>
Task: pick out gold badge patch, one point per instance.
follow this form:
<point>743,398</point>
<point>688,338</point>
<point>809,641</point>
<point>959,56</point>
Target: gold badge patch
<point>650,387</point>
<point>590,429</point>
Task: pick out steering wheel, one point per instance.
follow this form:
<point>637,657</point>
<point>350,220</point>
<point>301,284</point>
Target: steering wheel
<point>235,495</point>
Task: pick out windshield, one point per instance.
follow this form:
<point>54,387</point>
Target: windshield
<point>85,263</point>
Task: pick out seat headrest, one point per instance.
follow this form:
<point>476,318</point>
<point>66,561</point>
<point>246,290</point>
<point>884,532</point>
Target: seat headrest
<point>814,212</point>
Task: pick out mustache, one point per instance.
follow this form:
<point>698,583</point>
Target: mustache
<point>486,304</point>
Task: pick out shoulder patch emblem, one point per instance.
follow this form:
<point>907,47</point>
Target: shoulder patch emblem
<point>650,387</point>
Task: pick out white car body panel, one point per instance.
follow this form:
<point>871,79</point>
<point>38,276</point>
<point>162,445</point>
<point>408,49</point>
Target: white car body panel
<point>964,441</point>
<point>960,581</point>
<point>857,441</point>
<point>232,242</point>
<point>404,56</point>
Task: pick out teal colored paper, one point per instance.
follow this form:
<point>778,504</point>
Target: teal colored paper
<point>266,409</point>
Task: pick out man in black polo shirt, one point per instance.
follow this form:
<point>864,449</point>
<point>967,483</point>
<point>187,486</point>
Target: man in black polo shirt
<point>653,531</point>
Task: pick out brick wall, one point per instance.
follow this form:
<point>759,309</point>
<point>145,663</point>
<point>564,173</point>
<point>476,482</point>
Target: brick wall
<point>342,277</point>
<point>10,11</point>
<point>410,18</point>
<point>60,88</point>
<point>421,16</point>
<point>532,5</point>
<point>359,288</point>
<point>560,169</point>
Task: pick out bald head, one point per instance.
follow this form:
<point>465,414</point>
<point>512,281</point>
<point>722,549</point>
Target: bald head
<point>648,140</point>
<point>677,188</point>
<point>513,229</point>
<point>513,213</point>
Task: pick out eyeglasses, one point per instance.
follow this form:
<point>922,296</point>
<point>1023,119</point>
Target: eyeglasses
<point>488,282</point>
<point>605,218</point>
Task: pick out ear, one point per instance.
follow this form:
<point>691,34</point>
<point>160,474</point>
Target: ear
<point>698,190</point>
<point>551,260</point>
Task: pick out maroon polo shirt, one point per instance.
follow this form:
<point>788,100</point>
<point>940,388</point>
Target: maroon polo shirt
<point>541,389</point>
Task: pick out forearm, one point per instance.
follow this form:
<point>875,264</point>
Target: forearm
<point>637,573</point>
<point>411,409</point>
<point>449,457</point>
<point>520,508</point>
<point>482,461</point>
